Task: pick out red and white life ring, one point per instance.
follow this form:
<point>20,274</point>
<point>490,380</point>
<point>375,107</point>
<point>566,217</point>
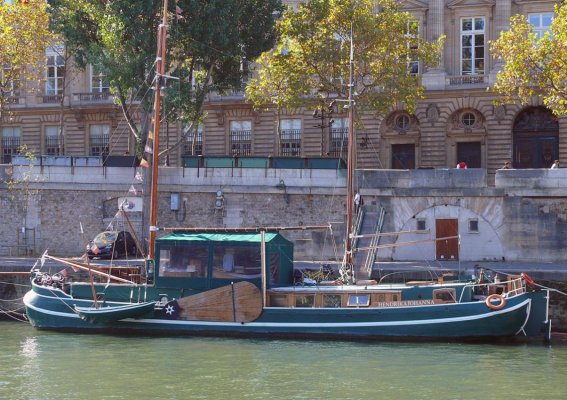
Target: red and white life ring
<point>493,297</point>
<point>529,281</point>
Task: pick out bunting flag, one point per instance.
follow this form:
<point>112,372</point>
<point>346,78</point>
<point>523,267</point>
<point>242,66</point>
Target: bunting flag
<point>139,177</point>
<point>95,249</point>
<point>132,190</point>
<point>43,258</point>
<point>148,149</point>
<point>178,12</point>
<point>151,133</point>
<point>144,163</point>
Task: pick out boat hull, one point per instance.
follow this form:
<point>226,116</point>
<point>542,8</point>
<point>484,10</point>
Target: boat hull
<point>54,310</point>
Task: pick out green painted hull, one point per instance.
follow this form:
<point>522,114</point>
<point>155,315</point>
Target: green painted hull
<point>53,309</point>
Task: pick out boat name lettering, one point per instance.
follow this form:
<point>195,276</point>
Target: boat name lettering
<point>405,303</point>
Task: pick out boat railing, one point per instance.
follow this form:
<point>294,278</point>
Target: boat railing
<point>411,274</point>
<point>508,288</point>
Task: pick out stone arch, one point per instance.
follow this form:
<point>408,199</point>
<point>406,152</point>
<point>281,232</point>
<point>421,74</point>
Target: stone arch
<point>536,138</point>
<point>466,138</point>
<point>481,244</point>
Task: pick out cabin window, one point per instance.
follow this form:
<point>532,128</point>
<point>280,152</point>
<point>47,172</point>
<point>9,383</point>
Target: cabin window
<point>444,296</point>
<point>231,262</point>
<point>420,224</point>
<point>332,301</point>
<point>304,300</point>
<point>358,300</point>
<point>188,261</point>
<point>278,300</point>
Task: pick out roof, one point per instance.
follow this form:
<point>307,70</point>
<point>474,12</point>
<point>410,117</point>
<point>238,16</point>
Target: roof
<point>221,237</point>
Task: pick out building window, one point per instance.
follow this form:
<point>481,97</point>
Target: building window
<point>241,138</point>
<point>99,140</point>
<point>472,46</point>
<point>53,141</point>
<point>98,81</point>
<point>420,224</point>
<point>402,122</point>
<point>412,34</point>
<point>193,145</point>
<point>244,70</point>
<point>339,138</point>
<point>55,72</point>
<point>473,225</point>
<point>10,143</point>
<point>540,23</point>
<point>290,137</point>
<point>10,78</point>
<point>468,119</point>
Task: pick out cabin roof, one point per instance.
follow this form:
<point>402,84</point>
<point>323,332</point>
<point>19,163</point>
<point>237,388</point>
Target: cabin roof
<point>223,237</point>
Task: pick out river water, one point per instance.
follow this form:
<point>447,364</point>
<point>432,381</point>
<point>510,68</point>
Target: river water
<point>45,365</point>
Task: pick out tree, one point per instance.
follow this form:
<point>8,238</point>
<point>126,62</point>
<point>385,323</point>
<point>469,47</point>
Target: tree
<point>207,42</point>
<point>534,65</point>
<point>313,51</point>
<point>24,36</point>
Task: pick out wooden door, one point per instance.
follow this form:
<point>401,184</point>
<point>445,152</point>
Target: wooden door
<point>447,249</point>
<point>403,156</point>
<point>470,153</point>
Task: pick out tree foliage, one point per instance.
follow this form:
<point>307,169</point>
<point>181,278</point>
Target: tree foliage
<point>533,65</point>
<point>313,51</point>
<point>206,43</point>
<point>24,35</point>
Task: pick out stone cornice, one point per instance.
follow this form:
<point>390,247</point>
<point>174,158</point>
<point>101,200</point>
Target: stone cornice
<point>415,5</point>
<point>470,3</point>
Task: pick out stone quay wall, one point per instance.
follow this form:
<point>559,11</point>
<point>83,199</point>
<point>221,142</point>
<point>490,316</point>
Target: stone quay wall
<point>522,218</point>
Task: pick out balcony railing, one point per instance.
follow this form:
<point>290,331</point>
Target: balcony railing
<point>467,80</point>
<point>15,100</point>
<point>51,98</point>
<point>93,97</point>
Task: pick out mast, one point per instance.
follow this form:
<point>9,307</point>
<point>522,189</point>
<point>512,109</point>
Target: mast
<point>350,164</point>
<point>154,133</point>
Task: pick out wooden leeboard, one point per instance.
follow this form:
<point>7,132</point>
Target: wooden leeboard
<point>241,302</point>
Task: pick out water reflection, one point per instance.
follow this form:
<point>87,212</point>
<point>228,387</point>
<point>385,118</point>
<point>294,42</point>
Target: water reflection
<point>46,366</point>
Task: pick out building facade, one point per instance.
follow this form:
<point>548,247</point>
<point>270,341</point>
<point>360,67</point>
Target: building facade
<point>71,113</point>
<point>457,121</point>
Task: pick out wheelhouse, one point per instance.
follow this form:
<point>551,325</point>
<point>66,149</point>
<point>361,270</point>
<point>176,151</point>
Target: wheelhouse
<point>207,260</point>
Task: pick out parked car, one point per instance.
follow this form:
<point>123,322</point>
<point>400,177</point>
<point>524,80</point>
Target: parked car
<point>112,244</point>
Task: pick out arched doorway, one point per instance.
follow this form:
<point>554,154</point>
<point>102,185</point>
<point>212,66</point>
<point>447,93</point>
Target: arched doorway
<point>536,138</point>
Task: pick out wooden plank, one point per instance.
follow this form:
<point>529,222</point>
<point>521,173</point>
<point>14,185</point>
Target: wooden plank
<point>240,302</point>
